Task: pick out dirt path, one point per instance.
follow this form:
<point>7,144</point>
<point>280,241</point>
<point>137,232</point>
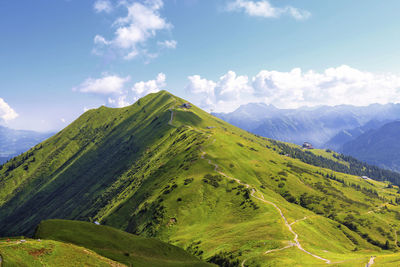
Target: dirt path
<point>253,192</point>
<point>371,261</point>
<point>277,249</point>
<point>296,236</point>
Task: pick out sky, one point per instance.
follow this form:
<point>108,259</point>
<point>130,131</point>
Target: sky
<point>59,58</point>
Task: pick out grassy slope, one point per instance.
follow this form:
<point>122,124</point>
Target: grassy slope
<point>34,253</point>
<point>71,174</point>
<point>117,245</point>
<point>131,169</point>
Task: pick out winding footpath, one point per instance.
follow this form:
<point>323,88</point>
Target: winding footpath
<point>371,261</point>
<point>253,192</point>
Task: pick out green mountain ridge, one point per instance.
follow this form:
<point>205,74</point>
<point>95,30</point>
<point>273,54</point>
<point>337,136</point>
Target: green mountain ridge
<point>160,170</point>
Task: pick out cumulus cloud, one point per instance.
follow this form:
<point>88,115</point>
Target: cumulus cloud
<point>111,84</point>
<point>142,22</point>
<point>118,91</point>
<point>296,88</point>
<point>224,93</point>
<point>6,112</point>
<point>203,89</point>
<point>119,102</point>
<point>264,8</point>
<point>103,6</point>
<point>142,88</point>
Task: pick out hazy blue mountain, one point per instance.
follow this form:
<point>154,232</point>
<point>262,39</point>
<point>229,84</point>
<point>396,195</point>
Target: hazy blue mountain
<point>250,116</point>
<point>14,142</point>
<point>323,126</point>
<point>336,143</point>
<point>380,147</point>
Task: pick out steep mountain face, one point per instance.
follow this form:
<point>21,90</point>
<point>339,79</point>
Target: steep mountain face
<point>14,142</point>
<point>183,176</point>
<point>379,147</point>
<point>325,126</point>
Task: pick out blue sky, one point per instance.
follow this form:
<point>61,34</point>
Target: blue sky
<point>59,58</point>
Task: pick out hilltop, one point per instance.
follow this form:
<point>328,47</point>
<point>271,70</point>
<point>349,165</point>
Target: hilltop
<point>160,169</point>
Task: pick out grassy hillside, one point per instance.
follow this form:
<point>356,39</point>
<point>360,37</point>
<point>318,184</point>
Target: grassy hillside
<point>187,178</point>
<point>35,253</point>
<point>117,245</point>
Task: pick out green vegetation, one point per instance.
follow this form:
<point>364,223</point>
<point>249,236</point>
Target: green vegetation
<point>36,253</point>
<point>203,185</point>
<point>117,245</point>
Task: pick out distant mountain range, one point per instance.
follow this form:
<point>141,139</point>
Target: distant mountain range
<point>14,142</point>
<point>380,147</point>
<point>324,126</point>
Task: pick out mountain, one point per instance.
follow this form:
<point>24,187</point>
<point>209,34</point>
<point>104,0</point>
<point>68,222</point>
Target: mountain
<point>324,126</point>
<point>379,147</point>
<point>14,142</point>
<point>159,169</point>
<point>336,143</point>
<point>249,116</point>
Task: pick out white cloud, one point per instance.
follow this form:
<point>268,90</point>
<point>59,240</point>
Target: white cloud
<point>264,8</point>
<point>142,88</point>
<point>230,87</point>
<point>293,89</point>
<point>142,22</point>
<point>6,112</point>
<point>222,94</point>
<point>111,84</point>
<point>203,89</point>
<point>119,101</point>
<point>168,44</point>
<point>114,89</point>
<point>98,39</point>
<point>103,6</point>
